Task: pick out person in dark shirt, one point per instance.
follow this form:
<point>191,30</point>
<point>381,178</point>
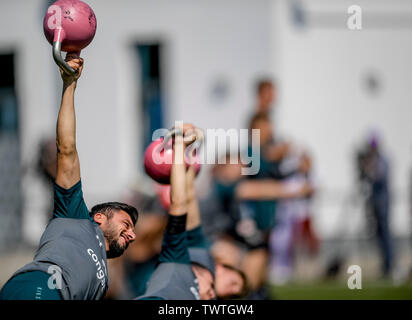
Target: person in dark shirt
<point>71,262</point>
<point>374,175</point>
<point>249,206</point>
<point>176,277</point>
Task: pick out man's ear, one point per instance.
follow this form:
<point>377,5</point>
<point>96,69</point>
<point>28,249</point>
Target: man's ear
<point>99,218</point>
<point>195,271</point>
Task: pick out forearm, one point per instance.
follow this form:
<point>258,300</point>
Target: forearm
<point>269,190</point>
<point>178,205</point>
<point>68,168</point>
<point>66,121</point>
<point>174,248</point>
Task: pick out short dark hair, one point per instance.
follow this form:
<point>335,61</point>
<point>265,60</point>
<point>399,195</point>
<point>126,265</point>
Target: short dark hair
<point>245,287</point>
<point>262,83</point>
<point>108,208</point>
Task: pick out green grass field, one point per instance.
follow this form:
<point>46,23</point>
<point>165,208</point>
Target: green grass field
<point>339,291</point>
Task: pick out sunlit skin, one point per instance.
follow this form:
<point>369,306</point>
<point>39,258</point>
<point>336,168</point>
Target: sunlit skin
<point>120,227</point>
<point>228,282</point>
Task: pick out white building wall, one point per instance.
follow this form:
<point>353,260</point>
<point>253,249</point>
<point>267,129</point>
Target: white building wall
<point>323,104</point>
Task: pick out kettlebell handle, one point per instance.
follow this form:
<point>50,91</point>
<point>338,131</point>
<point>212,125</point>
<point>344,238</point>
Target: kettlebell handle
<point>170,135</point>
<point>57,56</point>
<point>176,131</point>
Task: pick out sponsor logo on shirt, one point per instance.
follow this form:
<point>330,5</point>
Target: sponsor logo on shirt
<point>101,268</point>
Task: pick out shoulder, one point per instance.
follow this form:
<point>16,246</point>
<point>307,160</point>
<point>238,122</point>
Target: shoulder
<point>72,226</point>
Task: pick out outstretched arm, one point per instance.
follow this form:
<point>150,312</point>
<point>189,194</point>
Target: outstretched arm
<point>174,247</point>
<point>178,192</point>
<point>271,190</point>
<point>68,166</point>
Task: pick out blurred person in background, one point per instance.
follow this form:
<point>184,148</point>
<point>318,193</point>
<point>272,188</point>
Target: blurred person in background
<point>280,162</point>
<point>292,222</point>
<point>263,213</point>
<point>242,242</point>
<point>47,166</point>
<point>257,218</point>
<point>373,173</point>
<point>47,160</point>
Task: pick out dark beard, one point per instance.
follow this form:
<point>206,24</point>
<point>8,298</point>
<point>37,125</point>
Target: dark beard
<point>115,249</point>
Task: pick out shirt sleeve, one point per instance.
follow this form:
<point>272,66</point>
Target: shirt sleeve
<point>175,248</point>
<point>196,238</point>
<point>69,203</point>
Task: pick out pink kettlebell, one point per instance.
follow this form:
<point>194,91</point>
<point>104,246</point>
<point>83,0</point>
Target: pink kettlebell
<point>70,26</point>
<point>163,194</point>
<point>158,159</point>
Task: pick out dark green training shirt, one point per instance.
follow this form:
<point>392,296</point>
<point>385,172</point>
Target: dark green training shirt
<point>199,249</point>
<point>198,252</point>
<point>173,278</point>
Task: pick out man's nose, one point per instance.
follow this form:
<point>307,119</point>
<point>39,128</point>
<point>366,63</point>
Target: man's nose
<point>132,235</point>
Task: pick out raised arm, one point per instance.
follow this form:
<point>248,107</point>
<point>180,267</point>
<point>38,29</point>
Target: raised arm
<point>178,192</point>
<point>178,205</point>
<point>174,246</point>
<point>68,166</point>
